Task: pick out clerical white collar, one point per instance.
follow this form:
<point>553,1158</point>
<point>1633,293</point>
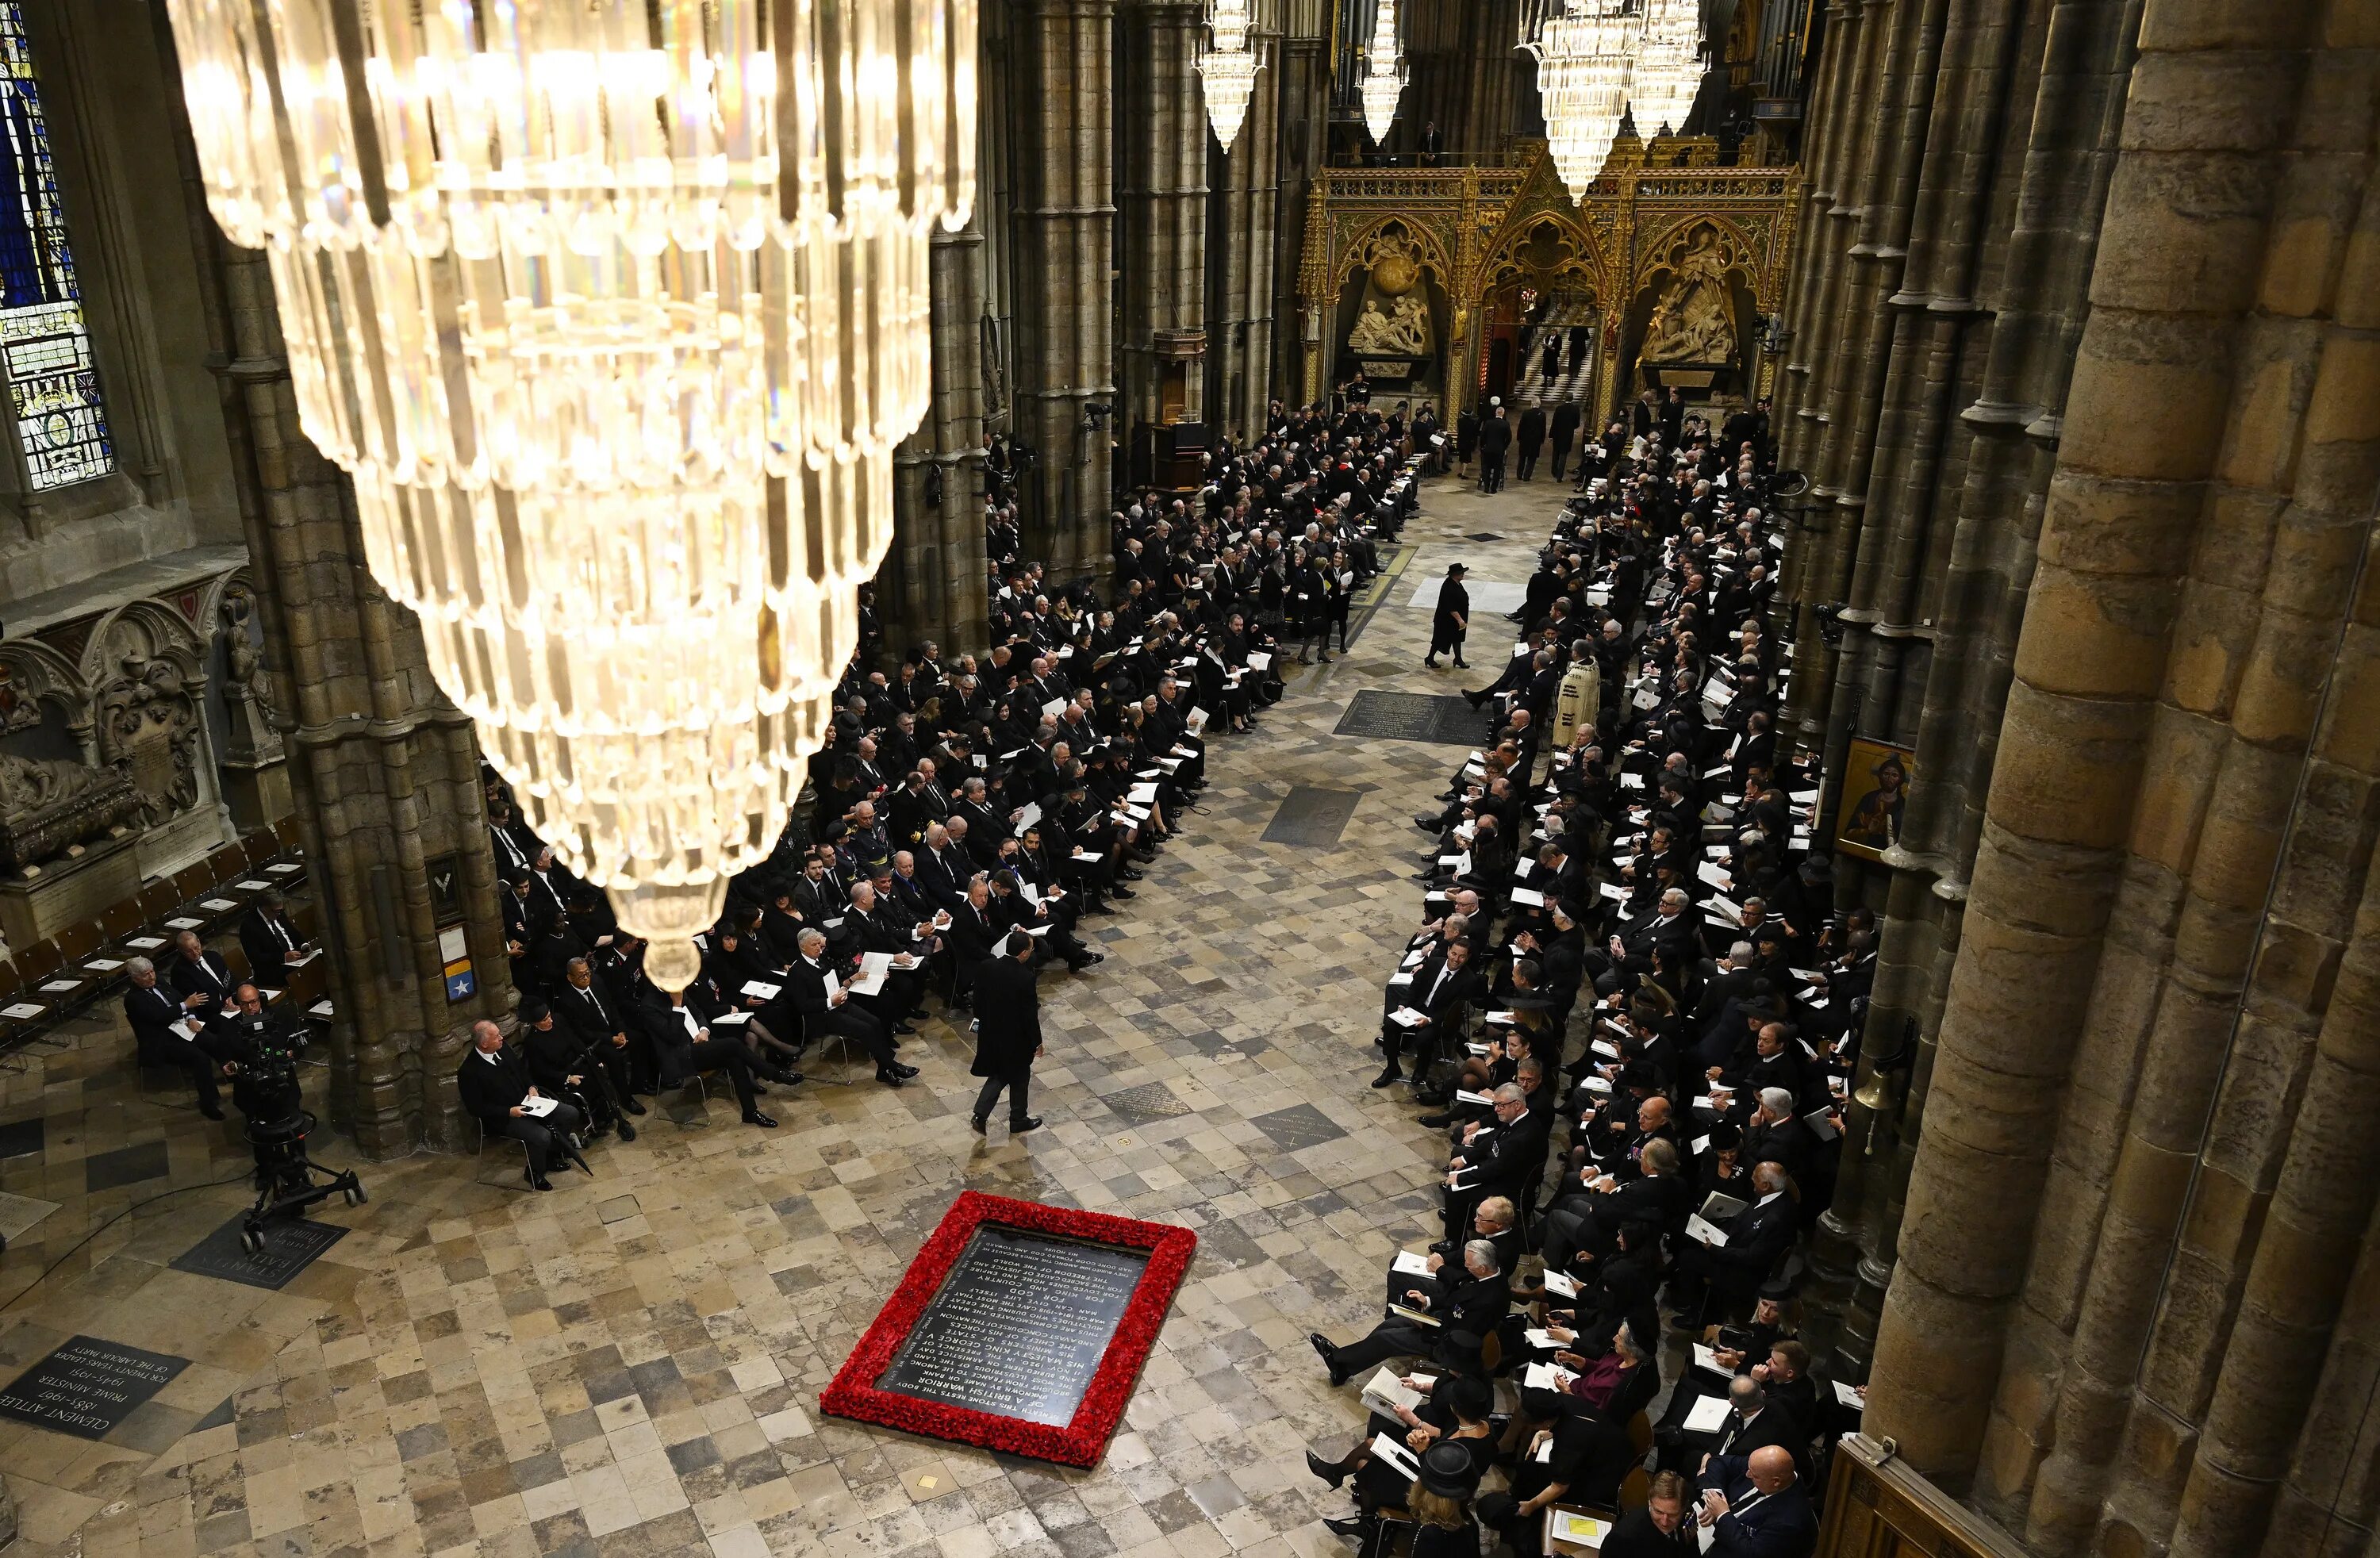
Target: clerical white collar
<point>1768,1198</point>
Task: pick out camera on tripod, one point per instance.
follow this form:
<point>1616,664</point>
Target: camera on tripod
<point>271,1101</point>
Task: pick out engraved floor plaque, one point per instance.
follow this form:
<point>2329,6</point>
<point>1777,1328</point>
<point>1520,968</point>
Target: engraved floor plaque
<point>1414,716</point>
<point>88,1386</point>
<point>1018,1327</point>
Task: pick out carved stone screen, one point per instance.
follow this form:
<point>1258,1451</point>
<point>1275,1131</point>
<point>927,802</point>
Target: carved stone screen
<point>1018,1326</point>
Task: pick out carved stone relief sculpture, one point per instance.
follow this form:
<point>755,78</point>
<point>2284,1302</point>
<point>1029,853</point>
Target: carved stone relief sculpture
<point>50,805</point>
<point>148,729</point>
<point>1694,319</point>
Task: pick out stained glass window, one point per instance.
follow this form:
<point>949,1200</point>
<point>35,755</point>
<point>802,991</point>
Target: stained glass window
<point>44,344</point>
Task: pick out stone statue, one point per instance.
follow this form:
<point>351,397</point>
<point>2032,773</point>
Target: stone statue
<point>1399,331</point>
<point>48,806</point>
<point>1694,321</point>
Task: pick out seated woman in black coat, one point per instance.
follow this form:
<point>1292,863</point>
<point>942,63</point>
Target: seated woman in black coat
<point>1437,1501</point>
<point>1456,1412</point>
<point>1613,1387</point>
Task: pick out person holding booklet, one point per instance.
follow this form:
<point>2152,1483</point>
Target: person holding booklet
<point>1477,1302</point>
<point>495,1088</point>
<point>1387,1466</point>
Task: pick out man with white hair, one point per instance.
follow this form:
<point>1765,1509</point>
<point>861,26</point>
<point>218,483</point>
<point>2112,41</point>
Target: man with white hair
<point>167,1032</point>
<point>1716,1280</point>
<point>1476,1303</point>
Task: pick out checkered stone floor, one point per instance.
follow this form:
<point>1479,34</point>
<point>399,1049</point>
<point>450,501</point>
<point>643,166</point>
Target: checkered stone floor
<point>631,1364</point>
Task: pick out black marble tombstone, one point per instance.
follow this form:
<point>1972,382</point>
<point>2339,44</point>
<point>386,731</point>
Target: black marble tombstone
<point>1018,1326</point>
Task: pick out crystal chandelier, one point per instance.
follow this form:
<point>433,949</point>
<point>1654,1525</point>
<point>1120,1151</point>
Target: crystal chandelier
<point>1597,58</point>
<point>1384,75</point>
<point>1584,56</point>
<point>1228,69</point>
<point>613,309</point>
<point>1668,69</point>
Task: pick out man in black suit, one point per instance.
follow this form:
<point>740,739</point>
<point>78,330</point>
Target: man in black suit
<point>1007,1033</point>
<point>1476,1305</point>
<point>1658,1528</point>
<point>1759,1509</point>
<point>1729,1273</point>
<point>825,1005</point>
<point>272,944</point>
<point>1754,1422</point>
<point>496,1089</point>
<point>1564,433</point>
<point>585,1015</point>
<point>1495,437</point>
<point>159,1039</point>
<point>1441,997</point>
<point>1531,438</point>
<point>197,971</point>
<point>1506,1160</point>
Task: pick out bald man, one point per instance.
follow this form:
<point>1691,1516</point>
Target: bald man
<point>1759,1509</point>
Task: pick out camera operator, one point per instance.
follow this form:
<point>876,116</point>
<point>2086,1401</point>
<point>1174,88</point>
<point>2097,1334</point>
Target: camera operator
<point>260,1051</point>
<point>564,1066</point>
<point>495,1086</point>
<point>170,1033</point>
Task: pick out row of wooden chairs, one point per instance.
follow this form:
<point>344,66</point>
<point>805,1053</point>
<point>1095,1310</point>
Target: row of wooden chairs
<point>44,984</point>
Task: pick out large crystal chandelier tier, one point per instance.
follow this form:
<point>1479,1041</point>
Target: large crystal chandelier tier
<point>1227,69</point>
<point>1384,73</point>
<point>1668,74</point>
<point>614,310</point>
<point>1584,63</point>
<point>1599,59</point>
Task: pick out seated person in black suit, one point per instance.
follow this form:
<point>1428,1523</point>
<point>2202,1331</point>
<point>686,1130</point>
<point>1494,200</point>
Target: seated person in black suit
<point>1660,1529</point>
<point>197,971</point>
<point>272,943</point>
<point>497,1090</point>
<point>1757,1508</point>
<point>684,1048</point>
<point>1727,1275</point>
<point>1477,1303</point>
<point>1457,1414</point>
<point>824,1003</point>
<point>565,1067</point>
<point>170,1033</point>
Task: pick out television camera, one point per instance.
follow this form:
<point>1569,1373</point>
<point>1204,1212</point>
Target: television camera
<point>265,1091</point>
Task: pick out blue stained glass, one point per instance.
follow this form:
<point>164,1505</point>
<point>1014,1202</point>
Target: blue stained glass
<point>52,381</point>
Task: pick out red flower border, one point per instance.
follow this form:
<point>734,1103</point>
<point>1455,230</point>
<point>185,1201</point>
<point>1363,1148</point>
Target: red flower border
<point>1082,1441</point>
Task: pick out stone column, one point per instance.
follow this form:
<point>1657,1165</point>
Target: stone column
<point>935,575</point>
<point>384,771</point>
<point>1162,201</point>
<point>1065,222</point>
<point>1246,233</point>
<point>2113,773</point>
<point>1957,578</point>
<point>1303,121</point>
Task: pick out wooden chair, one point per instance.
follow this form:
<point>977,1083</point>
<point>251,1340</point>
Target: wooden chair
<point>285,834</point>
<point>158,902</point>
<point>77,945</point>
<point>1640,1433</point>
<point>193,882</point>
<point>1636,1489</point>
<point>120,919</point>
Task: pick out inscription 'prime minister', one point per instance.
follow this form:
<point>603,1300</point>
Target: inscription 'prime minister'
<point>1018,1327</point>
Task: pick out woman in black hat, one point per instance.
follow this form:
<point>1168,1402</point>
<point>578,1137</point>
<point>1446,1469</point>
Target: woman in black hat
<point>1440,1504</point>
<point>1440,1498</point>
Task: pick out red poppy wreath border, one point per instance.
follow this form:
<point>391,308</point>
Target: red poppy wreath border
<point>1082,1441</point>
